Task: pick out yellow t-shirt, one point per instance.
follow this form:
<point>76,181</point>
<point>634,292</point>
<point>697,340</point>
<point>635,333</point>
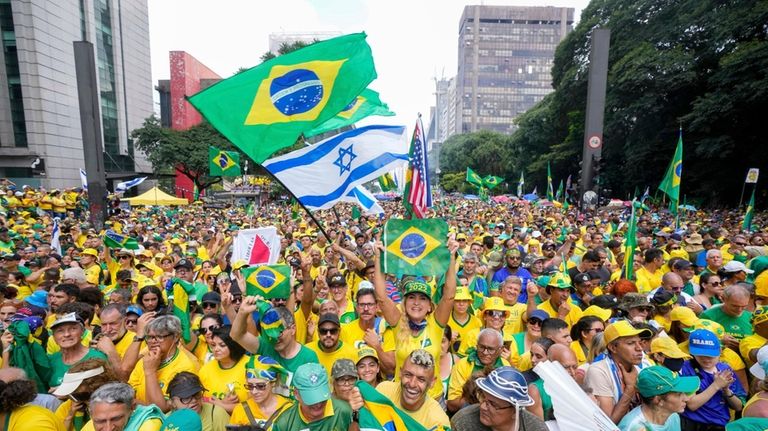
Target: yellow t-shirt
<point>301,325</point>
<point>201,351</point>
<point>573,316</point>
<point>217,381</point>
<point>514,322</point>
<point>124,343</point>
<point>429,339</point>
<point>430,414</point>
<point>579,352</point>
<point>150,425</point>
<point>34,417</point>
<point>63,411</point>
<point>344,351</point>
<point>470,341</point>
<point>93,274</point>
<point>461,372</point>
<point>240,418</point>
<point>646,280</point>
<point>749,343</point>
<point>182,360</point>
<point>463,329</point>
<point>351,333</point>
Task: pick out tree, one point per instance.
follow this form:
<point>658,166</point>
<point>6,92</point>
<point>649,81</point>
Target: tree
<point>185,150</point>
<point>285,48</point>
<point>486,151</point>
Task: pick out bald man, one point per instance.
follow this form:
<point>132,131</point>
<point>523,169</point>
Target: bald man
<point>565,356</point>
<point>673,283</point>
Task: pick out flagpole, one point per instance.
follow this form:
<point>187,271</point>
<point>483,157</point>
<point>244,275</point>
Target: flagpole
<point>319,226</point>
<point>743,186</point>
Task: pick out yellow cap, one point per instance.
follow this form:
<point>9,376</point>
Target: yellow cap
<point>365,351</point>
<point>239,264</point>
<point>622,328</point>
<point>601,313</point>
<point>761,284</point>
<point>684,315</point>
<point>462,294</point>
<point>710,326</point>
<point>90,251</point>
<point>668,347</point>
<point>494,303</point>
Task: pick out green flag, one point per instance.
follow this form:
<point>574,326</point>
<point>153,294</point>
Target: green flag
<point>490,181</point>
<point>267,107</point>
<point>747,225</point>
<point>355,212</point>
<point>550,188</point>
<point>380,413</point>
<point>113,239</point>
<point>630,243</point>
<point>520,185</point>
<point>364,105</point>
<point>251,209</point>
<point>223,163</point>
<point>482,192</point>
<point>415,247</point>
<point>268,281</point>
<point>179,292</point>
<point>387,183</point>
<point>671,182</point>
<point>473,178</point>
<point>559,194</point>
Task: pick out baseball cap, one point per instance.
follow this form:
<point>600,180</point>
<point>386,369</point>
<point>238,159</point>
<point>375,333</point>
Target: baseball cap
<point>132,309</point>
<point>239,264</point>
<point>682,264</point>
<point>337,280</point>
<point>495,259</point>
<point>417,286</point>
<point>684,315</point>
<point>185,387</point>
<point>343,368</point>
<point>538,314</point>
<point>581,277</point>
<point>184,263</point>
<point>659,380</point>
<point>90,252</point>
<point>664,298</point>
<point>71,381</point>
<point>668,347</point>
<point>703,343</point>
<point>599,312</point>
<point>364,351</point>
<point>736,266</point>
<point>462,294</point>
<point>183,419</point>
<point>758,369</point>
<point>709,325</point>
<point>759,316</point>
<point>311,382</point>
<point>494,303</point>
<point>67,318</point>
<point>607,301</point>
<point>329,317</point>
<point>212,297</point>
<point>623,328</point>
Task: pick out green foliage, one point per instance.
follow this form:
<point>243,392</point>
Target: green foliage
<point>486,152</point>
<point>285,48</point>
<point>702,64</point>
<point>185,150</point>
<point>454,182</point>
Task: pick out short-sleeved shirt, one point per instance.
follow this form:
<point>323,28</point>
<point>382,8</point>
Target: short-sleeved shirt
<point>218,381</point>
<point>646,280</point>
<point>636,421</point>
<point>747,344</point>
<point>430,414</point>
<point>599,379</point>
<point>737,327</point>
<point>337,417</point>
<point>573,316</point>
<point>429,339</point>
<point>326,359</point>
<point>239,417</point>
<point>35,418</point>
<point>715,411</point>
<point>351,333</point>
<point>182,360</point>
<point>59,368</point>
<point>462,329</point>
<point>304,356</point>
<point>214,418</point>
<point>462,371</point>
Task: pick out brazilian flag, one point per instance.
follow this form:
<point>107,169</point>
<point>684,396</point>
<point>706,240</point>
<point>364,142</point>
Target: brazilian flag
<point>473,178</point>
<point>179,292</point>
<point>380,413</point>
<point>416,247</point>
<point>366,104</point>
<point>387,183</point>
<point>268,281</point>
<point>747,224</point>
<point>671,182</point>
<point>113,239</point>
<point>223,163</point>
<point>267,107</point>
<point>491,182</point>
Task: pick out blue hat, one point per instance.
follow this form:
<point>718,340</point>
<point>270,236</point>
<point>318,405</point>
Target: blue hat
<point>702,342</point>
<point>506,383</point>
<point>134,309</point>
<point>538,314</point>
<point>38,298</point>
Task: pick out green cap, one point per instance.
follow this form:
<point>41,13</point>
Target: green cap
<point>658,380</point>
<point>184,419</point>
<point>416,286</point>
<point>311,381</point>
<point>560,281</point>
<point>543,280</point>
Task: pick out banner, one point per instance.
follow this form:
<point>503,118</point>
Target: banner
<point>257,246</point>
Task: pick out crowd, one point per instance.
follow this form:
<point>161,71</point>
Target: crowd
<point>93,340</point>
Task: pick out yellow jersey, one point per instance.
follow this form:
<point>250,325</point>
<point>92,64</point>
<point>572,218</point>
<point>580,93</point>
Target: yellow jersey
<point>239,417</point>
<point>182,360</point>
<point>219,382</point>
<point>326,359</point>
<point>429,339</point>
<point>573,316</point>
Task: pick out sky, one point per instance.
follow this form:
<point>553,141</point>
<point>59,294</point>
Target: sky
<point>413,42</point>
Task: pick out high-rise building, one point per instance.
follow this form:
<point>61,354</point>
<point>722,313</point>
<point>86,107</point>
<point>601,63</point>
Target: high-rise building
<point>505,61</point>
<point>39,108</point>
<point>277,39</point>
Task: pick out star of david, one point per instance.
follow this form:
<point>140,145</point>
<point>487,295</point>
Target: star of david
<point>343,167</point>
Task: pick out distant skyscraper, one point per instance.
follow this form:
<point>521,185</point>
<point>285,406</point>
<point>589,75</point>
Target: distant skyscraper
<point>39,108</point>
<point>277,39</point>
<point>505,60</point>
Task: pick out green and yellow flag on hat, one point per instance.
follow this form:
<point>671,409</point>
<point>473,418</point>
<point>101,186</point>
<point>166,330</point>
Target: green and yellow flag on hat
<point>268,107</point>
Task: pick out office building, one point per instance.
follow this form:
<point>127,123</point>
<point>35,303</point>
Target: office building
<point>505,60</point>
<point>277,39</point>
<point>39,107</point>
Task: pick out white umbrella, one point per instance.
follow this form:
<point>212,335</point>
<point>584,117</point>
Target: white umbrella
<point>574,410</point>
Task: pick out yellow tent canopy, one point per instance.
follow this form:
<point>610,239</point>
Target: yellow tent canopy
<point>155,196</point>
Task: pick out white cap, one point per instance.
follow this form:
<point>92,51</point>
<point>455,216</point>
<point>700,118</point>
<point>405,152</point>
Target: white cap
<point>736,266</point>
<point>758,369</point>
<point>71,381</point>
<point>536,234</point>
<point>67,318</point>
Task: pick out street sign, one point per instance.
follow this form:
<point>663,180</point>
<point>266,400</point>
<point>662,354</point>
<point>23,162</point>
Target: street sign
<point>752,175</point>
<point>594,142</point>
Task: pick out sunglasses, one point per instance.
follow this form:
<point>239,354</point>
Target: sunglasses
<point>331,331</point>
<point>131,321</point>
<point>237,299</point>
<point>256,386</point>
<point>124,257</point>
<point>204,330</point>
<point>210,305</point>
<point>535,322</point>
<point>496,314</point>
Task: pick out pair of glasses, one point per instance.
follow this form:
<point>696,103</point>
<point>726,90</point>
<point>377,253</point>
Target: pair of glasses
<point>366,305</point>
<point>482,399</point>
<point>716,283</point>
<point>645,309</point>
<point>496,314</point>
<point>124,257</point>
<point>256,386</point>
<point>597,330</point>
<point>188,400</point>
<point>210,305</point>
<point>486,349</point>
<point>131,321</point>
<point>534,322</point>
<point>328,331</point>
<point>346,381</point>
<point>157,338</point>
<point>237,299</point>
<point>204,330</point>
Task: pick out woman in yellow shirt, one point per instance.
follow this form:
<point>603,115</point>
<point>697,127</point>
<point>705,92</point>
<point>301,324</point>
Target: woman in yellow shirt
<point>222,377</point>
<point>261,374</point>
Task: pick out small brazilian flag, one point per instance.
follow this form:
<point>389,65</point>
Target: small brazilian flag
<point>747,224</point>
<point>387,183</point>
<point>180,292</point>
<point>416,247</point>
<point>113,239</point>
<point>364,105</point>
<point>490,181</point>
<point>267,107</point>
<point>223,163</point>
<point>268,281</point>
<point>473,178</point>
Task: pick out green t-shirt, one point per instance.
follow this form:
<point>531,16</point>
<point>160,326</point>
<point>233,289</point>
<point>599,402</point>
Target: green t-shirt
<point>337,419</point>
<point>305,356</point>
<point>59,368</point>
<point>25,270</point>
<point>738,327</point>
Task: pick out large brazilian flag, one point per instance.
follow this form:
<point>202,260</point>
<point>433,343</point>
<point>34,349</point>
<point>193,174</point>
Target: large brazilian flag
<point>267,107</point>
<point>416,247</point>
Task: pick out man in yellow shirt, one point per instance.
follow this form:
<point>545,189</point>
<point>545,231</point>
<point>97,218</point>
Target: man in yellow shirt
<point>329,348</point>
<point>115,338</point>
<point>749,345</point>
<point>558,305</point>
<point>489,347</point>
<point>370,328</point>
<point>112,407</point>
<point>649,275</point>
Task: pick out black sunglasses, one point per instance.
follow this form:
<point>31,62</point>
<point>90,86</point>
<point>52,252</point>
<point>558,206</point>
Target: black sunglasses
<point>210,305</point>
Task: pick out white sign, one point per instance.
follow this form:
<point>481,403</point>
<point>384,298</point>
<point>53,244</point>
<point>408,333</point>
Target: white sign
<point>594,142</point>
<point>752,175</point>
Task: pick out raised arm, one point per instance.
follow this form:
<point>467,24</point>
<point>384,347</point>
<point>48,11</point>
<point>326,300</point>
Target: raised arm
<point>348,255</point>
<point>239,331</point>
<point>308,295</point>
<point>444,307</point>
<point>388,308</point>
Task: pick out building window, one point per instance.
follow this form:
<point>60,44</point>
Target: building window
<point>13,75</point>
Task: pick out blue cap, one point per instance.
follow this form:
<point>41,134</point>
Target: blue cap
<point>538,314</point>
<point>134,309</point>
<point>38,298</point>
<point>506,383</point>
<point>702,342</point>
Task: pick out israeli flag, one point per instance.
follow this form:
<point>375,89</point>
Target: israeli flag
<point>125,185</point>
<point>55,235</point>
<point>83,180</point>
<point>325,173</point>
<point>362,197</point>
